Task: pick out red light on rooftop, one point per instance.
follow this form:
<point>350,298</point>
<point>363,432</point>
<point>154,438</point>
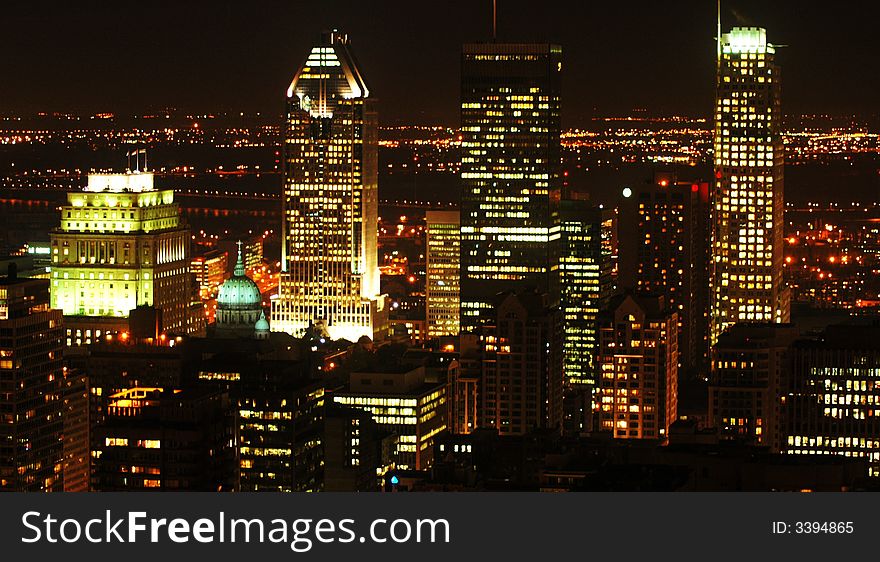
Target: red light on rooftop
<point>695,187</point>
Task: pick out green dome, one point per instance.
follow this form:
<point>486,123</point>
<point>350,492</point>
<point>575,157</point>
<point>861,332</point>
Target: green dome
<point>239,292</point>
<point>262,324</point>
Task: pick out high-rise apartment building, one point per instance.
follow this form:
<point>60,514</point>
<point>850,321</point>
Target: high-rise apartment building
<point>522,379</point>
<point>664,251</point>
<point>442,298</point>
<point>747,212</point>
<point>510,171</point>
<point>638,362</point>
<point>31,387</point>
<point>330,272</point>
<point>121,244</point>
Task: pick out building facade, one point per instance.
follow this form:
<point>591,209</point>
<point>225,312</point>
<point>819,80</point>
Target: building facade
<point>210,271</point>
<point>581,277</point>
<point>748,204</point>
<point>442,295</point>
<point>403,403</point>
<point>831,395</point>
<point>638,361</point>
<point>510,171</point>
<point>330,270</point>
<point>165,439</point>
<point>745,383</point>
<point>663,236</point>
<point>121,244</point>
<point>522,378</point>
<point>31,387</point>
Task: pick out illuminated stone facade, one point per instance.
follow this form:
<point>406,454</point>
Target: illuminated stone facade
<point>121,244</point>
<point>330,272</point>
<point>747,214</point>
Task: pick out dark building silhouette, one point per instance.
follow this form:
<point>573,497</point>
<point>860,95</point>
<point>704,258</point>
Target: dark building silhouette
<point>155,439</point>
<point>521,387</point>
<point>663,236</point>
<point>745,383</point>
<point>31,386</point>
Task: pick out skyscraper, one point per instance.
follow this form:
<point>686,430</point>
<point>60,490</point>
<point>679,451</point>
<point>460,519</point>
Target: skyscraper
<point>330,273</point>
<point>581,277</point>
<point>747,213</point>
<point>31,386</point>
<point>510,170</point>
<point>442,299</point>
<point>121,244</point>
<point>663,234</point>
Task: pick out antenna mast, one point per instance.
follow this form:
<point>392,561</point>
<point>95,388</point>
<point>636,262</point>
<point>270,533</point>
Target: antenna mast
<point>495,20</point>
<point>718,33</point>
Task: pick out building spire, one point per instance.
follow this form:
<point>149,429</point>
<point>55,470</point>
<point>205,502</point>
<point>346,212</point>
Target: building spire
<point>239,263</point>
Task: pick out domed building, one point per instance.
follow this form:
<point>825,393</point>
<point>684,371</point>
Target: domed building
<point>240,306</point>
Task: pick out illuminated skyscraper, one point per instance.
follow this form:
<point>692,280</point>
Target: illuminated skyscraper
<point>442,297</point>
<point>510,170</point>
<point>330,273</point>
<point>121,244</point>
<point>582,279</point>
<point>31,386</point>
<point>747,214</point>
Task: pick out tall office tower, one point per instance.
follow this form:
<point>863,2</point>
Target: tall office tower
<point>510,171</point>
<point>330,272</point>
<point>663,232</point>
<point>638,361</point>
<point>121,244</point>
<point>745,384</point>
<point>747,212</point>
<point>442,297</point>
<point>581,277</point>
<point>832,395</point>
<point>31,379</point>
<point>522,365</point>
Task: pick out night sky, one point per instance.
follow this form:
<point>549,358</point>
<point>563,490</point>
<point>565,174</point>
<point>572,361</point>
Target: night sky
<point>196,55</point>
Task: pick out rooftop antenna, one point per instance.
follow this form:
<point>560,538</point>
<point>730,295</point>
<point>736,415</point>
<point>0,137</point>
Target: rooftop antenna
<point>495,20</point>
<point>718,33</point>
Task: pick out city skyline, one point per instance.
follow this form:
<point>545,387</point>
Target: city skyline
<point>159,60</point>
<point>320,306</point>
